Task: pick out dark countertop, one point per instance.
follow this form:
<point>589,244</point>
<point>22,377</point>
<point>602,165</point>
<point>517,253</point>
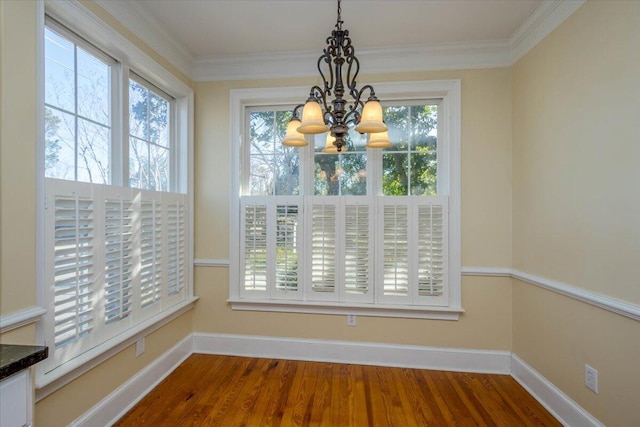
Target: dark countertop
<point>15,358</point>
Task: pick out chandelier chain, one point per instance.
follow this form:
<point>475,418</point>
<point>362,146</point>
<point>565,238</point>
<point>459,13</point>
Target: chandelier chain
<point>339,22</point>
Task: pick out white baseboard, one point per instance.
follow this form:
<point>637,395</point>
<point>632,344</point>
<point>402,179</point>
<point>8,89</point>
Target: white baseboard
<point>118,402</point>
<point>568,412</point>
<point>408,356</point>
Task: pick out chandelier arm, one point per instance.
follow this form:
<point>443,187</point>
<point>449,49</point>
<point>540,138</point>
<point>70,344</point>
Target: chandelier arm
<point>352,116</point>
<point>358,97</point>
<point>353,66</point>
<point>319,95</point>
<point>330,119</point>
<point>296,113</point>
<point>325,58</point>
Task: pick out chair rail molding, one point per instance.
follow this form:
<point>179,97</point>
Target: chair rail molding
<point>20,318</point>
<point>210,262</point>
<point>618,306</point>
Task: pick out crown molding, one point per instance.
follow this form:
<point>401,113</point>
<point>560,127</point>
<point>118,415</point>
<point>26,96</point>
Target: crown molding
<point>150,31</point>
<point>444,56</point>
<point>546,18</point>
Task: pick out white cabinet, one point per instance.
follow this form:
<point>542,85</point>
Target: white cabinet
<point>16,400</point>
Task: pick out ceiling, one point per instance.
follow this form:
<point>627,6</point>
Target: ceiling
<point>210,29</point>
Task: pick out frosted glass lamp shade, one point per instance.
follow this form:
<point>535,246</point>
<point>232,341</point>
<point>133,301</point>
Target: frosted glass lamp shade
<point>330,148</point>
<point>312,119</point>
<point>371,118</point>
<point>379,140</point>
<point>293,138</point>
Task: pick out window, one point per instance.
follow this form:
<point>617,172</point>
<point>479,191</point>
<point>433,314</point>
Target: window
<point>77,110</point>
<point>366,231</point>
<point>116,207</point>
<point>410,167</point>
<point>149,136</point>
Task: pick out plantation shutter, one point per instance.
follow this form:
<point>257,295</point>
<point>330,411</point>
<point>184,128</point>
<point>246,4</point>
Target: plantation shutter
<point>397,243</point>
<point>150,250</point>
<point>269,246</point>
<point>176,245</point>
<point>340,248</point>
<point>395,229</point>
<point>432,247</point>
<point>74,266</point>
<point>414,249</point>
<point>286,243</point>
<point>118,255</point>
<point>358,249</point>
<point>253,242</point>
<point>322,212</point>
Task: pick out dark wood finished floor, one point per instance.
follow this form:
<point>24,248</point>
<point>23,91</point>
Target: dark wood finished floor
<point>225,391</point>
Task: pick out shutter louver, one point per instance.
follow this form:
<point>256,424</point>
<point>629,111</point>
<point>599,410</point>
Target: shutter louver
<point>357,250</point>
<point>73,268</point>
<point>118,234</point>
<point>254,247</point>
<point>286,248</point>
<point>176,250</point>
<point>431,233</point>
<point>150,252</point>
<point>395,241</point>
<point>323,247</point>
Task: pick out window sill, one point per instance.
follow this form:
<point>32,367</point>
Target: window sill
<point>64,374</point>
<point>378,310</point>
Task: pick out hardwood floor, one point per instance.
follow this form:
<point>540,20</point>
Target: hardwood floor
<point>209,390</point>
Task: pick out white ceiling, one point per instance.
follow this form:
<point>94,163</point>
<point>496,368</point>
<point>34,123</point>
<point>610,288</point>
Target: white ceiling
<point>208,29</point>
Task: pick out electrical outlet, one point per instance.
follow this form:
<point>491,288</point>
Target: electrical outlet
<point>351,320</point>
<point>591,378</point>
<point>140,347</point>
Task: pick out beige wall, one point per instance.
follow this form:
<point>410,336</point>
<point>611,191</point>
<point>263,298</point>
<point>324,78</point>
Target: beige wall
<point>17,156</point>
<point>576,204</point>
<point>18,130</point>
<point>576,160</point>
<point>486,202</point>
<point>557,335</point>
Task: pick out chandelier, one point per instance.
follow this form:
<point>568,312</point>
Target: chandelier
<point>338,63</point>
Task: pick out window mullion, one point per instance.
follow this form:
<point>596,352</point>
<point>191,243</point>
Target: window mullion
<point>174,157</point>
<point>75,108</point>
<point>443,171</point>
<point>119,149</point>
<point>374,171</point>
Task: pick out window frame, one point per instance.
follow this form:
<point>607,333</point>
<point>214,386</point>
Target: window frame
<point>84,24</point>
<point>449,118</point>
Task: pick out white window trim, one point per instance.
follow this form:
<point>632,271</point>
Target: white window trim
<point>449,114</point>
<point>91,28</point>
